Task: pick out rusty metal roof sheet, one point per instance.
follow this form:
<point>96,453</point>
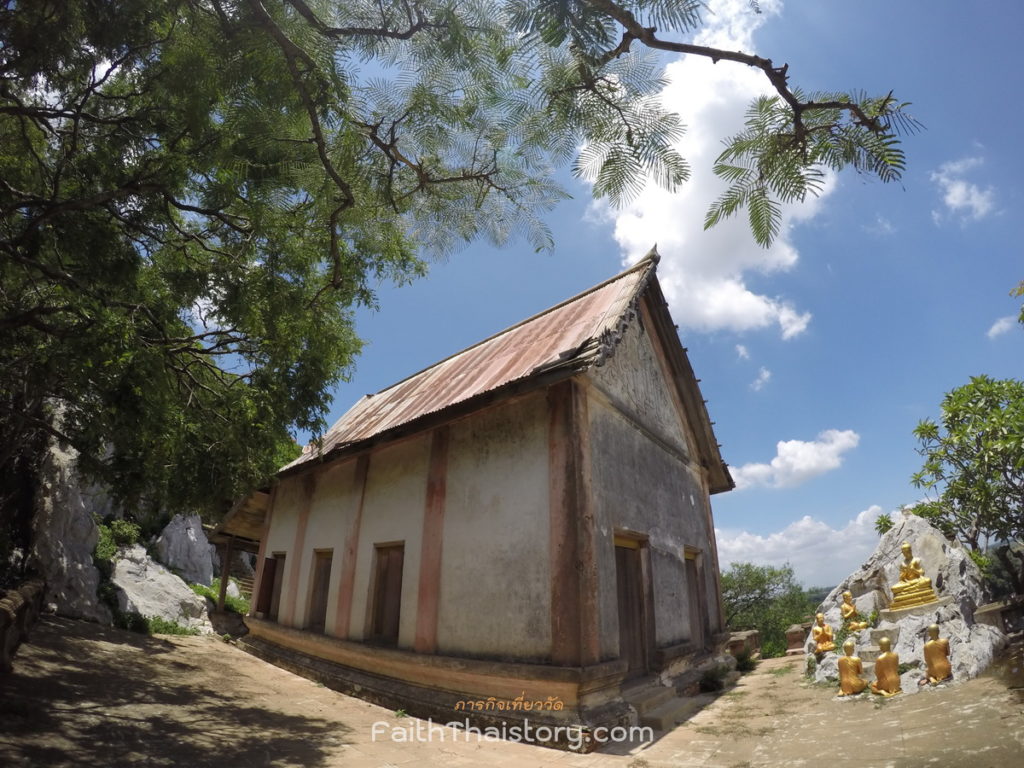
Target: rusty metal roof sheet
<point>573,334</point>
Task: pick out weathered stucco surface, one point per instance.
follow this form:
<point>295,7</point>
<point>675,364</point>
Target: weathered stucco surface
<point>495,546</point>
<point>493,589</point>
<point>644,482</point>
<point>396,491</point>
<point>331,511</point>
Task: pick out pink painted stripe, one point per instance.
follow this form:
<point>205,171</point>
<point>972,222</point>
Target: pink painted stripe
<point>343,609</point>
<point>433,542</point>
<point>262,554</point>
<point>297,554</point>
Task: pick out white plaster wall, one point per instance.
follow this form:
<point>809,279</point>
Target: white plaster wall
<point>333,507</point>
<point>281,536</point>
<point>495,598</point>
<point>396,490</point>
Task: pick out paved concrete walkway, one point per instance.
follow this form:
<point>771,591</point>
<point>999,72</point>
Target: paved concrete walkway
<point>82,695</point>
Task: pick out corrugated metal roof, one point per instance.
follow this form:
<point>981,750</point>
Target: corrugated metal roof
<point>571,334</point>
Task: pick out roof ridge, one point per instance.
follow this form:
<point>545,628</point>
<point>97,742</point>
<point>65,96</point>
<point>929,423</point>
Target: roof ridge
<point>649,261</point>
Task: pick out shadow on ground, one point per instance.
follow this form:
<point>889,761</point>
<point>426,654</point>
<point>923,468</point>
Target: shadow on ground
<point>86,695</point>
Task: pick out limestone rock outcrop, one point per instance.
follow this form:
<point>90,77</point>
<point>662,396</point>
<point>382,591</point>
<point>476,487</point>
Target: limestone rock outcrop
<point>956,580</point>
<point>182,546</point>
<point>148,588</point>
<point>64,536</point>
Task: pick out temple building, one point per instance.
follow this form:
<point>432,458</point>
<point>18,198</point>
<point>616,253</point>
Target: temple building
<point>520,531</point>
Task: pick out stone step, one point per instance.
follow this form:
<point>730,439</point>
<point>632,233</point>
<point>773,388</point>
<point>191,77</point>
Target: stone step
<point>648,697</point>
<point>893,633</point>
<point>671,713</point>
<point>869,653</point>
<point>688,683</point>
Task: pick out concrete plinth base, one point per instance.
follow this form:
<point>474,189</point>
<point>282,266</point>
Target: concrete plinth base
<point>445,689</point>
<point>914,610</point>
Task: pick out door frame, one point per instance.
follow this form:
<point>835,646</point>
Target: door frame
<point>376,594</point>
<point>699,587</point>
<point>646,629</point>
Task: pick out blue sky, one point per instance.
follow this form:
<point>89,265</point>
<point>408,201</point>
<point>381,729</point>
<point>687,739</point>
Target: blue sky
<point>817,356</point>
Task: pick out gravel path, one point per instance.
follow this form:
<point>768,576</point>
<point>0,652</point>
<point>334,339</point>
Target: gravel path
<point>83,695</point>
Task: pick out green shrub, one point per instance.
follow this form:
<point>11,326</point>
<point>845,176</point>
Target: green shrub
<point>714,679</point>
<point>106,547</point>
<point>149,625</point>
<point>112,535</point>
<point>124,532</point>
<point>158,626</point>
<point>773,648</point>
<point>237,605</point>
<point>745,661</point>
<point>131,621</point>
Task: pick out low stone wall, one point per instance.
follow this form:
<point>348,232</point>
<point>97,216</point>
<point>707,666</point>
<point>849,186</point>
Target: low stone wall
<point>1006,615</point>
<point>19,610</point>
<point>747,641</point>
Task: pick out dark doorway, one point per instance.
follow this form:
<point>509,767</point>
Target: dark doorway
<point>697,598</point>
<point>268,601</point>
<point>629,583</point>
<point>322,559</point>
<point>275,590</point>
<point>387,593</point>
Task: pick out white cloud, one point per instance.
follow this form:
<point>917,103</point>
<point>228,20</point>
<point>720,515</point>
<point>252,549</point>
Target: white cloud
<point>797,461</point>
<point>1001,326</point>
<point>962,197</point>
<point>881,226</point>
<point>703,273</point>
<point>820,554</point>
<point>742,352</point>
<point>763,376</point>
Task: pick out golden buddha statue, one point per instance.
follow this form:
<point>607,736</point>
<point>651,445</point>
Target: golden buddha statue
<point>851,618</point>
<point>936,656</point>
<point>850,669</point>
<point>887,670</point>
<point>822,635</point>
<point>913,588</point>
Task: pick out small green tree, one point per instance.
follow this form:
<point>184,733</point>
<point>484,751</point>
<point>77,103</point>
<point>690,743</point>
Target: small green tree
<point>764,598</point>
<point>974,461</point>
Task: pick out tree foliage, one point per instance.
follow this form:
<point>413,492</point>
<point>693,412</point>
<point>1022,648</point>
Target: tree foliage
<point>764,598</point>
<point>194,194</point>
<point>974,461</point>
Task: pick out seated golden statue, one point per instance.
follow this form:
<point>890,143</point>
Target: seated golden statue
<point>821,633</point>
<point>936,657</point>
<point>850,669</point>
<point>887,670</point>
<point>851,618</point>
<point>913,588</point>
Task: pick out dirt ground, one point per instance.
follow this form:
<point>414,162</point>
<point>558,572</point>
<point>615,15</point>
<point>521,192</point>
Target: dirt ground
<point>83,695</point>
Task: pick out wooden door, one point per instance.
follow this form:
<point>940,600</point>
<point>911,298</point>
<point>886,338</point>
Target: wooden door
<point>387,598</point>
<point>321,585</point>
<point>698,601</point>
<point>275,596</point>
<point>629,583</point>
<point>267,581</point>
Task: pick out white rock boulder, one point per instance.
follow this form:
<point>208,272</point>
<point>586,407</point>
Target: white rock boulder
<point>183,547</point>
<point>957,582</point>
<point>148,588</point>
<point>64,536</point>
